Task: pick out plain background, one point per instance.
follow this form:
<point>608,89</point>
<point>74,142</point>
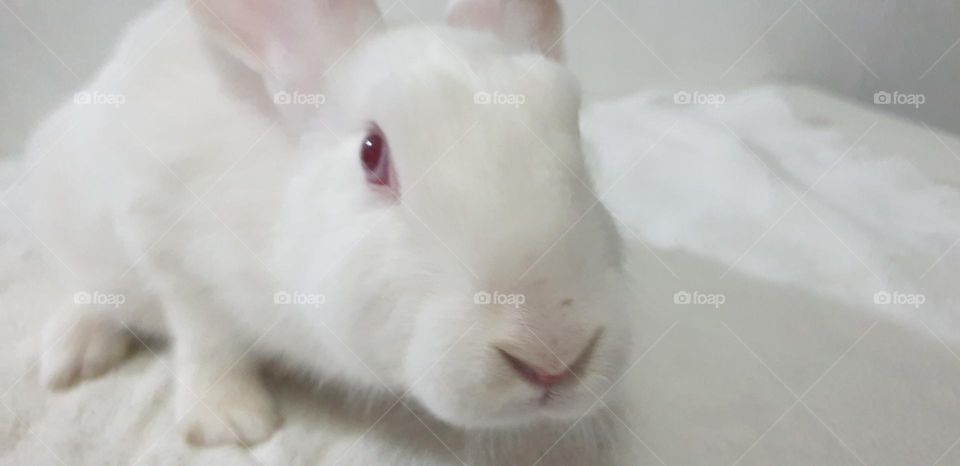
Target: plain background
<point>854,48</point>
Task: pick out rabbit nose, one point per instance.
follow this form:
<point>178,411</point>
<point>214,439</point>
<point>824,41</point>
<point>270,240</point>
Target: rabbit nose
<point>539,374</point>
<point>534,374</point>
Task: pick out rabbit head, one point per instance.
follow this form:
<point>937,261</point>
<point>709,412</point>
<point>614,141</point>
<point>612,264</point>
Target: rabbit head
<point>442,206</point>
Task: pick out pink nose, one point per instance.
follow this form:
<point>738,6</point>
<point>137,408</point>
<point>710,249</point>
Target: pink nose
<point>534,374</point>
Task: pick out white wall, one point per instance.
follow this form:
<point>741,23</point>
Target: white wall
<point>35,35</point>
<point>616,46</point>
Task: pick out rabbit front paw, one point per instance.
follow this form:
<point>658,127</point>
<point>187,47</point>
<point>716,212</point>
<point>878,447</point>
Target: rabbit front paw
<point>237,409</point>
<point>79,346</point>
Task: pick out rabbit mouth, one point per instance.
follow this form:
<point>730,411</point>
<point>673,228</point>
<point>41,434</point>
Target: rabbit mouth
<point>546,397</point>
<point>553,403</point>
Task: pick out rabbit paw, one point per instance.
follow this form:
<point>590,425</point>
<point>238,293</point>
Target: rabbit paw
<point>236,409</point>
<point>80,346</point>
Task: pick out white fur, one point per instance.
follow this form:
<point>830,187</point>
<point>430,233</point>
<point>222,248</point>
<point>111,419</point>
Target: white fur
<point>197,206</point>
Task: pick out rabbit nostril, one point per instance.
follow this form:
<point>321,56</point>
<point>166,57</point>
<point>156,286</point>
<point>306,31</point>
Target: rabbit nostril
<point>533,374</point>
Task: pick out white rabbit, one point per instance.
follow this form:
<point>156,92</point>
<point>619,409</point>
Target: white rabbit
<point>402,211</point>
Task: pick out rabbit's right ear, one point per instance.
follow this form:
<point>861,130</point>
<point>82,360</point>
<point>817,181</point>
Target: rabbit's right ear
<point>534,24</point>
<point>290,43</point>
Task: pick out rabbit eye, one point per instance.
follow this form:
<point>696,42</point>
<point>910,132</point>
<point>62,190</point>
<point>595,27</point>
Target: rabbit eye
<point>375,157</point>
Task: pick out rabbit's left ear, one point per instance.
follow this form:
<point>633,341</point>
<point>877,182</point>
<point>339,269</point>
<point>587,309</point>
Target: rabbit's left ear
<point>290,43</point>
<point>534,24</point>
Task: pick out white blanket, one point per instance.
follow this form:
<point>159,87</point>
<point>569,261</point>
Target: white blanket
<point>767,247</point>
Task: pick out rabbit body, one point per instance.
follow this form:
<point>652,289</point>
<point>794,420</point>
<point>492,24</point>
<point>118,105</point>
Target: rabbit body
<point>222,204</point>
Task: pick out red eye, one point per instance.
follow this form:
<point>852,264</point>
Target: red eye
<point>375,157</point>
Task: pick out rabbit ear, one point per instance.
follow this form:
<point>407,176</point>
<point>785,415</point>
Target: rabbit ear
<point>290,43</point>
<point>536,24</point>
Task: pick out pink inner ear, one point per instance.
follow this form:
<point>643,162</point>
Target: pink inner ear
<point>245,26</point>
<point>290,44</point>
<point>536,24</point>
<point>484,15</point>
<point>302,29</point>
